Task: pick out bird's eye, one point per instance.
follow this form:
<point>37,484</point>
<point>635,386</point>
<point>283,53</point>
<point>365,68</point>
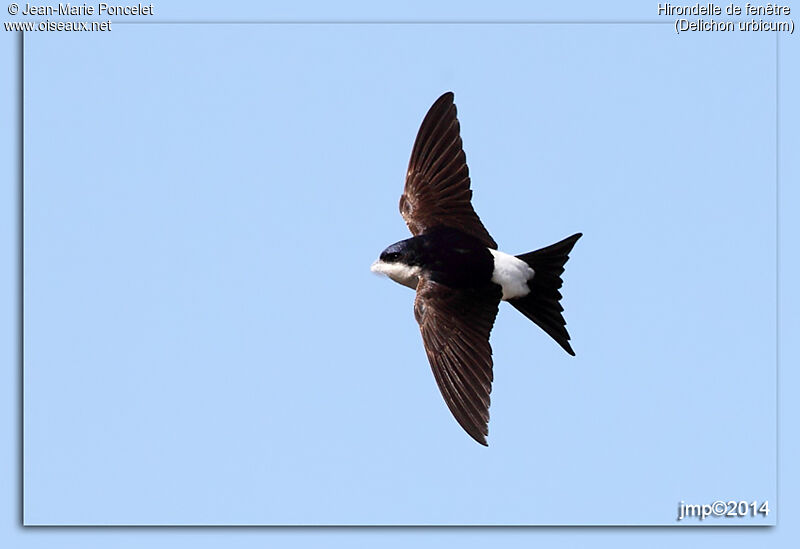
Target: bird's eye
<point>392,256</point>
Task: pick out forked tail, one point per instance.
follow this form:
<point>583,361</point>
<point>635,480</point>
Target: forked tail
<point>543,305</point>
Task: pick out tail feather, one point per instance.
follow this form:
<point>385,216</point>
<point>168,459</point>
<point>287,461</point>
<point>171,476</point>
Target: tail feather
<point>543,305</point>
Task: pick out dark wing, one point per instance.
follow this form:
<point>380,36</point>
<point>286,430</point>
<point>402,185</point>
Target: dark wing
<point>455,326</point>
<point>437,183</point>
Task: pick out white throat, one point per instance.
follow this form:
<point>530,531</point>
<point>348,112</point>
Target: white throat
<point>400,273</point>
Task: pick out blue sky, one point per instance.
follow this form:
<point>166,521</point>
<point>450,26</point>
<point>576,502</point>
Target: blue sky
<point>182,374</point>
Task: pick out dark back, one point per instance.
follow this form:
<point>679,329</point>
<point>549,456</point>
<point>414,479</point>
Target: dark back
<point>453,258</point>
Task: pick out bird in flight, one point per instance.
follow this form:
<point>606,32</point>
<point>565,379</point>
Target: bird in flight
<point>459,274</point>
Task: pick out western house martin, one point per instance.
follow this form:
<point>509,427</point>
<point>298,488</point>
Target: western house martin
<point>459,274</point>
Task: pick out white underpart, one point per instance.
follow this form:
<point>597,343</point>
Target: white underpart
<point>512,274</point>
<point>403,274</point>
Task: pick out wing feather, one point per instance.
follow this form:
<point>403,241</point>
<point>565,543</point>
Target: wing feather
<point>455,325</point>
<point>437,190</point>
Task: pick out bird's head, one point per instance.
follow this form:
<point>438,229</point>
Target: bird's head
<point>400,263</point>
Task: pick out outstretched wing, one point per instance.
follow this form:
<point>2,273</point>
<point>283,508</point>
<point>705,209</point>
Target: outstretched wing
<point>455,327</point>
<point>437,183</point>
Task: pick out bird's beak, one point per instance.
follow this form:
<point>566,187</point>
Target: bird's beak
<point>376,267</point>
